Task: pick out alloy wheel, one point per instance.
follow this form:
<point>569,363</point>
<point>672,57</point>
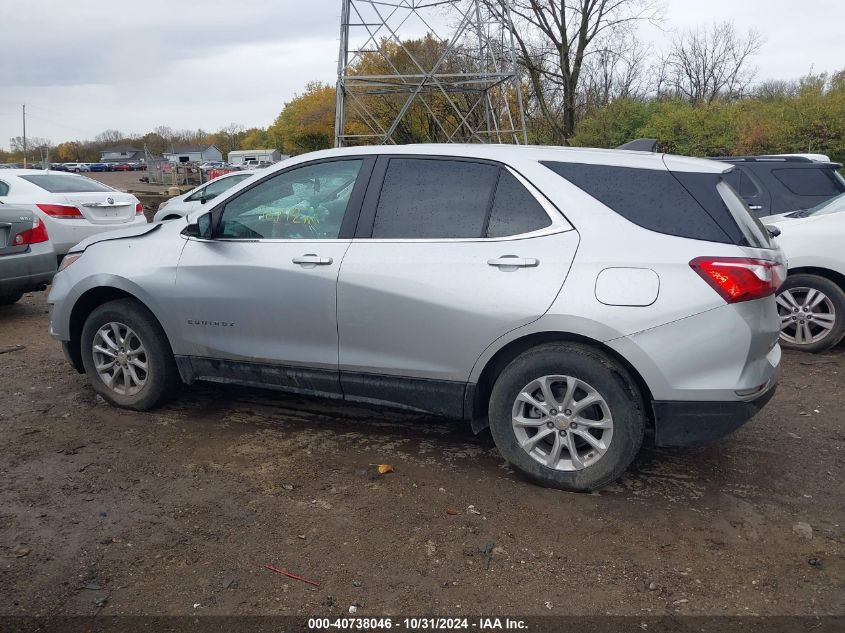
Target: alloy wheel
<point>120,358</point>
<point>562,422</point>
<point>807,315</point>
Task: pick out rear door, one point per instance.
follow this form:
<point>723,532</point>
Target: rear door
<point>450,254</point>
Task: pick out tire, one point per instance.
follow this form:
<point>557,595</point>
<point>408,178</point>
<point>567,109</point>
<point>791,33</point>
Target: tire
<point>153,385</point>
<point>598,374</point>
<point>812,311</point>
<point>7,300</point>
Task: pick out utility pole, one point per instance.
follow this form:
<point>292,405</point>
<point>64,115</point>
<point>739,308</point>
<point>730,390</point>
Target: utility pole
<point>24,136</point>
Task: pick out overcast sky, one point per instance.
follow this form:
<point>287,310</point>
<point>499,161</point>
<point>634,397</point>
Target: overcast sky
<point>89,65</point>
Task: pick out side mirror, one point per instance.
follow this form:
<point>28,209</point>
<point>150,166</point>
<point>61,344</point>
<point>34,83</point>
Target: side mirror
<point>773,230</point>
<point>203,200</point>
<point>201,228</point>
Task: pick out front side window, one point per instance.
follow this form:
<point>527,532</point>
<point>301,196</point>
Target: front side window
<point>434,199</point>
<point>4,189</point>
<point>302,203</point>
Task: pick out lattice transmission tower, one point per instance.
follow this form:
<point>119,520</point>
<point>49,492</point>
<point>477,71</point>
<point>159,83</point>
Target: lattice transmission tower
<point>427,71</point>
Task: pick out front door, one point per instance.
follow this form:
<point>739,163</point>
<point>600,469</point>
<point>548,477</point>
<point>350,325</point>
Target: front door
<point>258,301</point>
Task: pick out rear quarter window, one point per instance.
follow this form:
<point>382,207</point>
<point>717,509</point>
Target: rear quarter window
<point>65,183</point>
<point>656,199</point>
<point>810,181</point>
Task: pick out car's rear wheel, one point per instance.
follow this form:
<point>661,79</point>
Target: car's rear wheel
<point>567,416</point>
<point>812,313</point>
<point>127,356</point>
<point>7,300</point>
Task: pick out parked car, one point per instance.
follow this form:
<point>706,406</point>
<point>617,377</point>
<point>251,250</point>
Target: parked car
<point>774,185</point>
<point>212,164</point>
<point>58,167</point>
<point>567,298</point>
<point>811,302</point>
<point>98,167</point>
<point>180,206</point>
<point>77,167</point>
<point>27,259</point>
<point>121,167</point>
<point>71,206</point>
<point>255,164</point>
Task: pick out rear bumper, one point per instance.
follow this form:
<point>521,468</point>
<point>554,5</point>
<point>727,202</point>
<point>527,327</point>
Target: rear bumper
<point>679,423</point>
<point>27,272</point>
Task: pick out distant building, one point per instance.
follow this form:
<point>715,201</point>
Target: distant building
<point>242,155</point>
<point>193,154</point>
<point>122,154</point>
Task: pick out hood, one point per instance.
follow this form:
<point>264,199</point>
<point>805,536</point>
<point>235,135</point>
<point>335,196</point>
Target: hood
<point>119,234</point>
<point>791,223</point>
<point>777,217</point>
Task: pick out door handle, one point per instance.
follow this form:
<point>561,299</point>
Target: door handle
<point>512,262</point>
<point>309,260</point>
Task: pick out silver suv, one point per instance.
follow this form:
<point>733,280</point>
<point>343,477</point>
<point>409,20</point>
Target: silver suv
<point>569,299</point>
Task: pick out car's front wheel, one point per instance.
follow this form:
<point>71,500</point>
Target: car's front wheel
<point>812,313</point>
<point>127,356</point>
<point>567,416</point>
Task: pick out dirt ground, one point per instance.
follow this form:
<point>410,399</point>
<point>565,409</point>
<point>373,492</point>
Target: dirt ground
<point>176,511</point>
<point>126,180</point>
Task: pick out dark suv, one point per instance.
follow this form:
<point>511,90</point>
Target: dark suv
<point>773,185</point>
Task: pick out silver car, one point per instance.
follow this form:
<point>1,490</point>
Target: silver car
<point>568,299</point>
<point>27,258</point>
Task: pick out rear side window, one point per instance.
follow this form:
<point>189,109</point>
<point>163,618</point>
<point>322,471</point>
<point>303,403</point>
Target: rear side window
<point>4,189</point>
<point>655,199</point>
<point>434,199</point>
<point>65,183</point>
<point>810,181</point>
<point>515,211</point>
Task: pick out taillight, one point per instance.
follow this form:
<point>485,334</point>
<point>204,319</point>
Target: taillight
<point>139,209</point>
<point>38,233</point>
<point>739,278</point>
<point>62,211</point>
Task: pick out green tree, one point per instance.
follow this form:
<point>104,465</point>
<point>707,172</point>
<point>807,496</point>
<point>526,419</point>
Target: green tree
<point>306,122</point>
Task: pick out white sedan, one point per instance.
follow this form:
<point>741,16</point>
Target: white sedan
<point>811,301</point>
<point>72,207</point>
<point>180,206</point>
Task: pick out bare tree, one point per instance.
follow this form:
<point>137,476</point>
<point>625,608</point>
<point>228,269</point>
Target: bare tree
<point>109,137</point>
<point>615,70</point>
<point>555,39</point>
<point>706,64</point>
<point>33,142</point>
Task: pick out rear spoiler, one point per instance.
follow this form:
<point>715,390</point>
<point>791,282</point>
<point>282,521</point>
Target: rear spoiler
<point>640,145</point>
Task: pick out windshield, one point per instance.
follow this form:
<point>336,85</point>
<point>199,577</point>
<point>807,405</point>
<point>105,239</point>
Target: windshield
<point>834,205</point>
